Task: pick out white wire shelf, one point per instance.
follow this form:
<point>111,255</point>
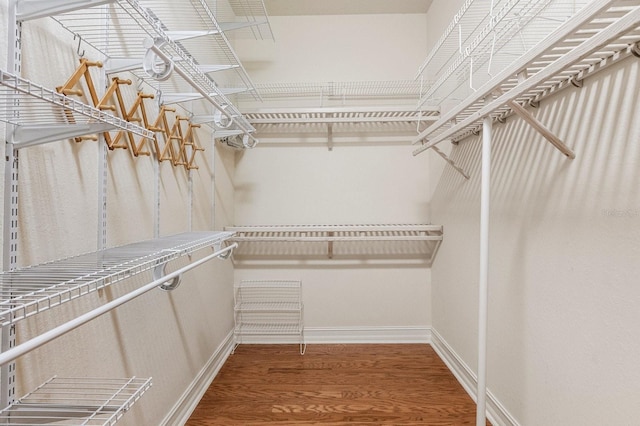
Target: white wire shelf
<point>76,401</point>
<point>483,39</point>
<point>255,13</point>
<point>189,36</point>
<point>27,291</point>
<point>260,328</point>
<point>397,89</point>
<point>268,306</point>
<point>42,115</point>
<point>338,241</point>
<point>600,34</point>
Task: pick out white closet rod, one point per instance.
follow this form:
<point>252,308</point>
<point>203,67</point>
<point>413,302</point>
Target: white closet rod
<point>23,348</point>
<point>150,44</point>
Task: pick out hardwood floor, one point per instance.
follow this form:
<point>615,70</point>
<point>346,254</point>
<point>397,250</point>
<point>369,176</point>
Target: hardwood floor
<point>334,385</point>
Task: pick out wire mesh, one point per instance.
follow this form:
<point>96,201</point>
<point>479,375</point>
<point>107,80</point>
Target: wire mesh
<point>76,401</point>
<point>27,291</point>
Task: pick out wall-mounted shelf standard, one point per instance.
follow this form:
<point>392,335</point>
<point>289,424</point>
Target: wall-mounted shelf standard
<point>76,401</point>
<point>338,241</point>
<point>602,33</point>
<point>41,115</point>
<point>268,308</point>
<point>27,291</point>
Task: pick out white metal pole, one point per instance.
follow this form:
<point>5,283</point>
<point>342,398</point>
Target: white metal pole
<point>484,272</point>
<point>56,332</point>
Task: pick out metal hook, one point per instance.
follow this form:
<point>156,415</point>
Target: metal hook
<point>79,37</point>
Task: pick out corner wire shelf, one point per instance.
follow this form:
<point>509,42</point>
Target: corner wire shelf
<point>338,241</point>
<point>254,12</point>
<point>602,33</point>
<point>42,115</point>
<point>135,23</point>
<point>483,39</point>
<point>76,401</point>
<point>27,291</point>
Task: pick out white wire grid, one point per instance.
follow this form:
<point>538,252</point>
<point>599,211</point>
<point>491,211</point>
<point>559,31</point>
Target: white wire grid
<point>483,39</point>
<point>401,89</point>
<point>402,242</point>
<point>268,308</point>
<point>27,291</point>
<point>604,32</point>
<point>118,30</point>
<point>254,12</point>
<point>29,105</point>
<point>76,401</point>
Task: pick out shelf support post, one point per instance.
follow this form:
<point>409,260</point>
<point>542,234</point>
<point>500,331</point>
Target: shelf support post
<point>481,409</point>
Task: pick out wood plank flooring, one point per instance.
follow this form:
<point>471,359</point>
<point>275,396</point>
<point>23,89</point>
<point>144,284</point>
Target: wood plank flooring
<point>334,385</point>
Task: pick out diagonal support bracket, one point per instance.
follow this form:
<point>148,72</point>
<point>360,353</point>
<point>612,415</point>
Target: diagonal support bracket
<point>451,162</point>
<point>541,128</point>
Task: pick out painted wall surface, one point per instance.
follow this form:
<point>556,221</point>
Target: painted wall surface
<point>564,250</point>
<point>168,336</point>
<point>355,183</point>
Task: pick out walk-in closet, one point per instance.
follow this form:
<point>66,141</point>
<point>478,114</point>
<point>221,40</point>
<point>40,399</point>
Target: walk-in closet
<point>320,212</point>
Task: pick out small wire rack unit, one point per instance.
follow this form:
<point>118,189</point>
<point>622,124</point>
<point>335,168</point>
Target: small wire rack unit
<point>266,309</point>
<point>338,241</point>
<point>598,35</point>
<point>76,401</point>
<point>42,115</point>
<point>30,290</point>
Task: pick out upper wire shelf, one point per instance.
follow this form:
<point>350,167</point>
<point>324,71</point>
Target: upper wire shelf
<point>484,38</point>
<point>255,13</point>
<point>76,401</point>
<point>600,34</point>
<point>404,89</point>
<point>32,108</point>
<point>27,291</point>
<point>190,36</point>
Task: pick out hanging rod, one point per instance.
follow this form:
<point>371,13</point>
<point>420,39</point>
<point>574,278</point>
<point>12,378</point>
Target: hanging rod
<point>34,343</point>
<point>27,291</point>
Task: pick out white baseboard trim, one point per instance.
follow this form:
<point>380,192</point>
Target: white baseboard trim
<point>187,403</point>
<point>496,412</point>
<point>415,334</point>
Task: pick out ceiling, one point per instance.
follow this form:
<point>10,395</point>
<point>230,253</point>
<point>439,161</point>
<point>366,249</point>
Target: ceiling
<point>344,7</point>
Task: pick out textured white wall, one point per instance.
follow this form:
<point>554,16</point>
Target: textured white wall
<point>356,183</point>
<point>167,336</point>
<point>564,250</point>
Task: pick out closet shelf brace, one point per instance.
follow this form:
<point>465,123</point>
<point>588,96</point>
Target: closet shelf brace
<point>34,343</point>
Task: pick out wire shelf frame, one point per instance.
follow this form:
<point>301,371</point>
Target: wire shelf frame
<point>118,31</point>
<point>602,33</point>
<point>401,89</point>
<point>27,291</point>
<point>76,401</point>
<point>254,12</point>
<point>387,241</point>
<point>483,39</point>
<point>30,106</point>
